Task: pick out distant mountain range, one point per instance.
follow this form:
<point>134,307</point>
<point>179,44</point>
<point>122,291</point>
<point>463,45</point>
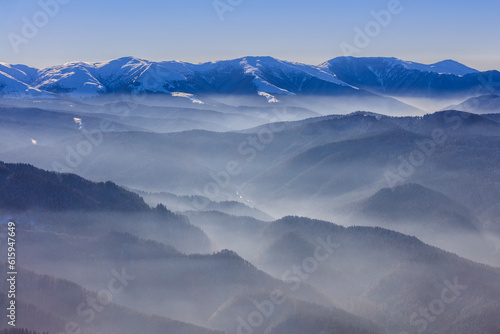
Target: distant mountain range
<point>266,77</point>
<point>480,104</point>
<point>144,195</point>
<point>370,264</point>
<point>329,278</point>
<point>317,167</point>
<point>402,78</point>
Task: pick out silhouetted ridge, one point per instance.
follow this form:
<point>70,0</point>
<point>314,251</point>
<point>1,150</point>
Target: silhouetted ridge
<point>26,187</point>
<point>415,204</point>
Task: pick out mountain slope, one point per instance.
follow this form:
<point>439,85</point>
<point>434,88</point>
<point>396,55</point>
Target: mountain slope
<point>396,77</point>
<point>67,202</point>
<point>484,104</point>
<point>267,77</point>
<point>61,301</point>
<point>291,317</point>
<point>375,273</point>
<point>24,186</point>
<point>131,75</point>
<point>418,207</point>
<point>443,67</point>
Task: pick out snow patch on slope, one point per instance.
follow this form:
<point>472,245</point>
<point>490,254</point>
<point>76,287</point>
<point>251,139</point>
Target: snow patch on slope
<point>72,79</point>
<point>10,87</point>
<point>270,98</point>
<point>261,84</point>
<point>187,96</point>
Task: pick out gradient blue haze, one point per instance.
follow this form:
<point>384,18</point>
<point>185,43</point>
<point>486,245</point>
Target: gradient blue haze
<point>306,31</point>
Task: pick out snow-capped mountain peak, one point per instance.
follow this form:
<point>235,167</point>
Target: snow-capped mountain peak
<point>265,76</point>
<point>398,77</point>
<point>443,67</point>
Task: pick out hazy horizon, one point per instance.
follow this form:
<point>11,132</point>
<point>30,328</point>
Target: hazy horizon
<point>98,60</point>
<point>216,30</point>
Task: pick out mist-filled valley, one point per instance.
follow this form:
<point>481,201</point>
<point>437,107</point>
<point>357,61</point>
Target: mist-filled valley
<point>251,196</point>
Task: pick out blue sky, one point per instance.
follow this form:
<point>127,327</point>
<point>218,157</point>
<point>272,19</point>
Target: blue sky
<point>309,31</point>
